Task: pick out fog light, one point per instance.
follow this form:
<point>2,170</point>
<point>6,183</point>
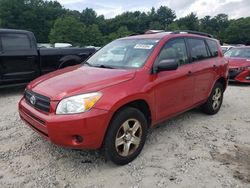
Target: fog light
<point>77,139</point>
<point>248,78</point>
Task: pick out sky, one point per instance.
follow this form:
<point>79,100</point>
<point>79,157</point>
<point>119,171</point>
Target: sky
<point>111,8</point>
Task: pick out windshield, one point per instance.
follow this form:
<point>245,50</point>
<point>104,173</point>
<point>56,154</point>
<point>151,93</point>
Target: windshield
<point>124,54</point>
<point>238,52</point>
<point>224,49</point>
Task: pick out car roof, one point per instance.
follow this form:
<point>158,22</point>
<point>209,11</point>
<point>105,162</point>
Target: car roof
<point>14,31</point>
<point>161,35</point>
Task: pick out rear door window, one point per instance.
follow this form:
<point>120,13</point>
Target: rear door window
<point>198,49</point>
<point>174,49</point>
<point>213,47</point>
<point>15,42</point>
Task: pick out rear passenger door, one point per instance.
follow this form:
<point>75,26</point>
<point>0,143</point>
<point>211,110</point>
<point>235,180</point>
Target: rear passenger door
<point>18,59</point>
<point>203,69</point>
<point>173,89</point>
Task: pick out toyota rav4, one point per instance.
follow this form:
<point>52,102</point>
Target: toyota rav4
<point>130,85</point>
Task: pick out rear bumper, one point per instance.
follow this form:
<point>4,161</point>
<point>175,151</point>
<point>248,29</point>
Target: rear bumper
<point>63,129</point>
<point>239,76</point>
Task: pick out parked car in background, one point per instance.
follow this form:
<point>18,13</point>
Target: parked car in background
<point>125,88</point>
<point>239,64</point>
<point>56,45</point>
<point>226,48</point>
<point>22,61</point>
<point>45,45</point>
<point>63,45</point>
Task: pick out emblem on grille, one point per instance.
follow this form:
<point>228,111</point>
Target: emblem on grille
<point>33,100</point>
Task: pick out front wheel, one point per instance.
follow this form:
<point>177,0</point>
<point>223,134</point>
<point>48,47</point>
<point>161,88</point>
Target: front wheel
<point>214,102</point>
<point>126,136</point>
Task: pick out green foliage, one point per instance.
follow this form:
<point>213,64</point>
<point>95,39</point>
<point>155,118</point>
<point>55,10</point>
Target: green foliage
<point>156,25</point>
<point>189,22</point>
<point>51,22</point>
<point>92,36</point>
<point>165,16</point>
<point>37,16</point>
<point>215,26</point>
<point>67,30</point>
<point>88,16</point>
<point>238,31</point>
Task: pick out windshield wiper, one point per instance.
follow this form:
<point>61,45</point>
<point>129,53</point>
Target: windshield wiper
<point>87,63</point>
<point>104,66</point>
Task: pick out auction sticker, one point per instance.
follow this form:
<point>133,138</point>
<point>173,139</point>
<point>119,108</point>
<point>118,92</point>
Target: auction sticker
<point>143,46</point>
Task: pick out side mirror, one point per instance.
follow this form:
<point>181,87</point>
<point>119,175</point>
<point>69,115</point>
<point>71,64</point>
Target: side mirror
<point>167,65</point>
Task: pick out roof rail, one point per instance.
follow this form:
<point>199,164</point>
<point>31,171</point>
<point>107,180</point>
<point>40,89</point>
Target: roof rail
<point>192,32</point>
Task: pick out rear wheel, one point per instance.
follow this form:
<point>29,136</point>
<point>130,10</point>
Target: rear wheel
<point>213,104</point>
<point>126,136</point>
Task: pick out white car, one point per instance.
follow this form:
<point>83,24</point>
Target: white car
<point>62,45</point>
<point>226,48</point>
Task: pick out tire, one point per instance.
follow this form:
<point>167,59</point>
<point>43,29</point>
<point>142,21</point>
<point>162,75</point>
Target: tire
<point>126,136</point>
<point>213,104</point>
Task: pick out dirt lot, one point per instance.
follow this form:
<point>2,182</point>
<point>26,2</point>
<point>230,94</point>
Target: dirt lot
<point>191,150</point>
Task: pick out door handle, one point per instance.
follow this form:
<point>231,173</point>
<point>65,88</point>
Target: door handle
<point>215,66</point>
<point>189,73</point>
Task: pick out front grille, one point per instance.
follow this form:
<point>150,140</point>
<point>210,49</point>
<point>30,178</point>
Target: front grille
<point>38,130</point>
<point>233,73</point>
<point>32,116</point>
<point>38,101</point>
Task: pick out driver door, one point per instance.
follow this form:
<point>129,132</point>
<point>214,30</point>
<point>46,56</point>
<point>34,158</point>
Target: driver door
<point>174,89</point>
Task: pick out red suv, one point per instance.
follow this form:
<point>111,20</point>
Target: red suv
<point>128,86</point>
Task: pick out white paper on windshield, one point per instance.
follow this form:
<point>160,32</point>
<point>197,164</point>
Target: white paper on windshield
<point>143,46</point>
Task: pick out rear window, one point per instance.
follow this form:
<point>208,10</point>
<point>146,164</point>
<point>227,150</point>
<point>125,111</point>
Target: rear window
<point>198,49</point>
<point>213,47</point>
<point>15,42</point>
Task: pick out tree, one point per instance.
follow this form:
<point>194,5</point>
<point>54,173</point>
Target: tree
<point>123,32</point>
<point>215,26</point>
<point>165,16</point>
<point>67,30</point>
<point>47,19</point>
<point>37,16</point>
<point>88,16</point>
<point>189,22</point>
<point>238,32</point>
<point>156,25</point>
<point>93,36</point>
<point>173,27</point>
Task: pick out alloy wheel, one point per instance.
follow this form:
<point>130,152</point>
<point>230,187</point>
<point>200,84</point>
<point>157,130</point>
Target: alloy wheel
<point>128,137</point>
<point>217,98</point>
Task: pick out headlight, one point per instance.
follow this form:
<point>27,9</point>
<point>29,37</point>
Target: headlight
<point>78,104</point>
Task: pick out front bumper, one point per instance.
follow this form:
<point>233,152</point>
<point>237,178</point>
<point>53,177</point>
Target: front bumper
<point>63,129</point>
<point>239,76</point>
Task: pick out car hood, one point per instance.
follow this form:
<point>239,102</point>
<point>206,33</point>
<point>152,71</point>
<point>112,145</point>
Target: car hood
<point>78,80</point>
<point>238,62</point>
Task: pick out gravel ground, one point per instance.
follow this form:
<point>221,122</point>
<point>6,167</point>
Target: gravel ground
<point>191,150</point>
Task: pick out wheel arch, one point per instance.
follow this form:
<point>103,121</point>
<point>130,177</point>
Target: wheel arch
<point>140,104</point>
<point>223,81</point>
<point>69,60</point>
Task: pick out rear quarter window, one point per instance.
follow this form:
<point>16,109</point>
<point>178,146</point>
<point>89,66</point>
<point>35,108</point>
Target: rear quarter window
<point>198,49</point>
<point>213,47</point>
<point>15,42</point>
